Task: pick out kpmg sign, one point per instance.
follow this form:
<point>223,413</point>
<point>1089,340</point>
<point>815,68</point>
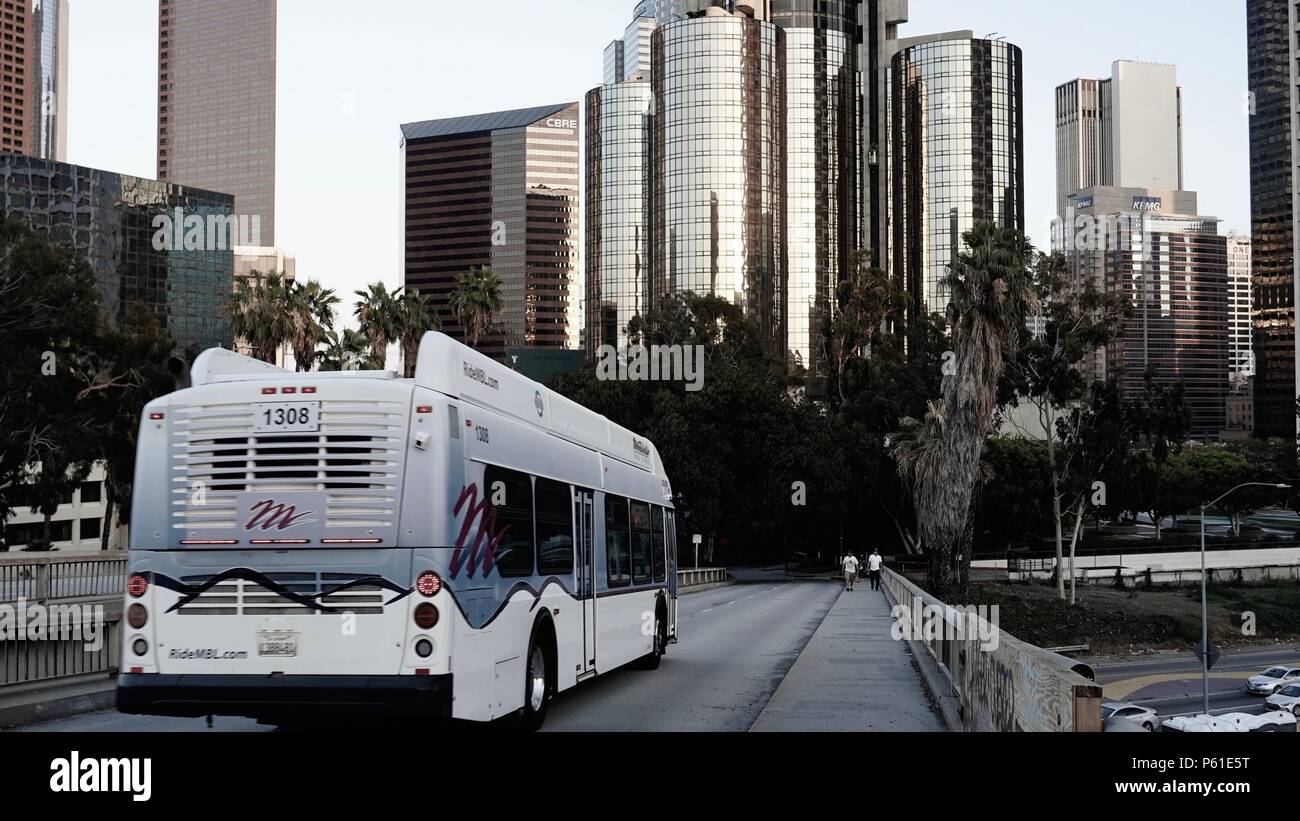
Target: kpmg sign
<point>1148,204</point>
<point>1083,202</point>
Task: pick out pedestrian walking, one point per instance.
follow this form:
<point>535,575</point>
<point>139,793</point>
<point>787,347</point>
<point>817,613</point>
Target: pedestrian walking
<point>874,564</point>
<point>850,566</point>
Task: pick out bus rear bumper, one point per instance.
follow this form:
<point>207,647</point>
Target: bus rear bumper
<point>272,697</point>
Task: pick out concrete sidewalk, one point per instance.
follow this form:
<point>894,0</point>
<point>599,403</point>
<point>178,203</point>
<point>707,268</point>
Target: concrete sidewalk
<point>852,677</point>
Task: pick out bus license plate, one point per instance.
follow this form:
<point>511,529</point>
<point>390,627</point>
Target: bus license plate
<point>286,417</point>
<point>277,644</point>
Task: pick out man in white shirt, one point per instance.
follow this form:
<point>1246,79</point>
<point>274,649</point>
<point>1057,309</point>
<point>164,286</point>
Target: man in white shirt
<point>874,563</point>
<point>850,571</point>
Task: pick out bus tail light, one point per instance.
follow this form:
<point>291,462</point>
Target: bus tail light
<point>137,585</point>
<point>426,616</point>
<point>428,584</point>
<point>137,616</point>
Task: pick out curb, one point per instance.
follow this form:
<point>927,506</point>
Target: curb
<point>22,705</point>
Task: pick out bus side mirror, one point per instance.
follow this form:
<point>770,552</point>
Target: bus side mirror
<point>180,371</point>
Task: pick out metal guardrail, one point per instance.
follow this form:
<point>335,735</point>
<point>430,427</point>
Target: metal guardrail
<point>41,578</point>
<point>702,576</point>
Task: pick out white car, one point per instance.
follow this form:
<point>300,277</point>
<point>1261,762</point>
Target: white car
<point>1145,717</point>
<point>1287,699</point>
<point>1272,722</point>
<point>1273,679</point>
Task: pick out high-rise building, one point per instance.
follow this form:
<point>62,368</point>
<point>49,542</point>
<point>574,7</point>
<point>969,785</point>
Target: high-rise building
<point>216,101</point>
<point>1150,247</point>
<point>34,72</point>
<point>957,155</point>
<point>1272,32</point>
<point>618,211</point>
<point>498,190</point>
<point>1241,357</point>
<point>718,221</point>
<point>613,63</point>
<point>823,159</point>
<point>1124,131</point>
<point>881,20</point>
<point>134,233</point>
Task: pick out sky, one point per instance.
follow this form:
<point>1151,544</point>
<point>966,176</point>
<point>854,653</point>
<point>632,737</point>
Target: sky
<point>347,81</point>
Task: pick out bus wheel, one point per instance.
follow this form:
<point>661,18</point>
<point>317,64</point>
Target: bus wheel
<point>651,661</point>
<point>537,685</point>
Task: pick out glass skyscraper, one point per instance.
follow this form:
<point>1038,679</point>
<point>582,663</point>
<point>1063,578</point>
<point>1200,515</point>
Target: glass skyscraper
<point>1272,30</point>
<point>957,155</point>
<point>618,211</point>
<point>718,176</point>
<point>113,220</point>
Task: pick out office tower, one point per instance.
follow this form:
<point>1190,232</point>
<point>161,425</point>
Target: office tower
<point>498,190</point>
<point>216,101</point>
<point>117,223</point>
<point>1272,30</point>
<point>34,67</point>
<point>1241,357</point>
<point>823,160</point>
<point>613,62</point>
<point>1150,247</point>
<point>1125,131</point>
<point>881,20</point>
<point>957,155</point>
<point>618,211</point>
<point>718,167</point>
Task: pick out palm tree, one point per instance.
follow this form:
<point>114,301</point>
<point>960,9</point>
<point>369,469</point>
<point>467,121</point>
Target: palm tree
<point>311,313</point>
<point>377,311</point>
<point>259,314</point>
<point>349,351</point>
<point>990,288</point>
<point>417,315</point>
<point>475,300</point>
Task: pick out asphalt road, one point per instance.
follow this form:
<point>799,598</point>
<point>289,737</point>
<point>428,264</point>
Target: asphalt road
<point>1171,684</point>
<point>737,645</point>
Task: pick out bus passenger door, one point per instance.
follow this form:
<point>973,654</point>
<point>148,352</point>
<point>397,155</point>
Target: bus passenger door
<point>583,511</point>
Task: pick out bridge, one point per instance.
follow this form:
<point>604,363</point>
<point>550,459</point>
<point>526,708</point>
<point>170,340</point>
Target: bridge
<point>761,650</point>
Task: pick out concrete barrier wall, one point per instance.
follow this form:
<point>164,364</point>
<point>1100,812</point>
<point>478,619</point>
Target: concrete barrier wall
<point>1013,687</point>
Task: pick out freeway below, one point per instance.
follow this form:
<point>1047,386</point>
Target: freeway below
<point>737,645</point>
<point>1171,684</point>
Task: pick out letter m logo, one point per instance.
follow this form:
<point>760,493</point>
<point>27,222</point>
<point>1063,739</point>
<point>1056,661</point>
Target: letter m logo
<point>269,514</point>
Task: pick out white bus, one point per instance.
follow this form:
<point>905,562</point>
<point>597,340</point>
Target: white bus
<point>462,545</point>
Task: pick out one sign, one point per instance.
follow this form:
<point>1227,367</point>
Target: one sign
<point>1215,655</point>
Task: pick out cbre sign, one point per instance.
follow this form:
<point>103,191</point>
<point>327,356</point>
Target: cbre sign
<point>565,124</point>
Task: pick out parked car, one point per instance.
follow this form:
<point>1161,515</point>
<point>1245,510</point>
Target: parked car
<point>1144,717</point>
<point>1287,699</point>
<point>1273,679</point>
<point>1271,722</point>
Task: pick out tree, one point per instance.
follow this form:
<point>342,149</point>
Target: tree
<point>378,313</point>
<point>347,351</point>
<point>475,300</point>
<point>863,304</point>
<point>417,315</point>
<point>1049,375</point>
<point>261,314</point>
<point>311,314</point>
<point>1160,420</point>
<point>991,294</point>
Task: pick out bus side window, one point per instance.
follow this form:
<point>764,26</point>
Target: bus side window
<point>514,519</point>
<point>657,529</point>
<point>617,541</point>
<point>641,543</point>
<point>554,529</point>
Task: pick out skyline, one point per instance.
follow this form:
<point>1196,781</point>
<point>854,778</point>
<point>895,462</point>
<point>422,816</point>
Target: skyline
<point>338,132</point>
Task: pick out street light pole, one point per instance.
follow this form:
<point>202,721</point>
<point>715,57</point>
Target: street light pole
<point>1205,607</point>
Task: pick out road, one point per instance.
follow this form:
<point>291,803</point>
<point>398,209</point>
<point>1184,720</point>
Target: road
<point>737,645</point>
<point>1171,684</point>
